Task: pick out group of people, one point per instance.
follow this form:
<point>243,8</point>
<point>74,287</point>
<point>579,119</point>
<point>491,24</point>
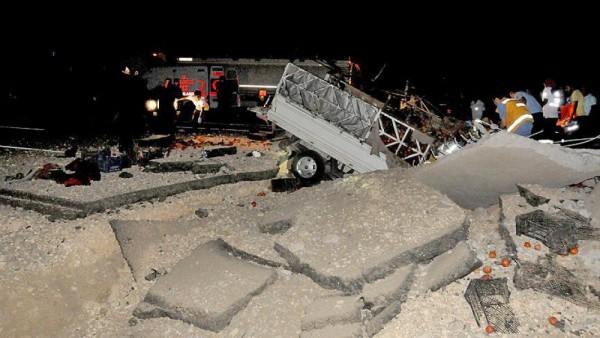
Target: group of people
<point>521,112</point>
<point>168,95</point>
<point>131,116</point>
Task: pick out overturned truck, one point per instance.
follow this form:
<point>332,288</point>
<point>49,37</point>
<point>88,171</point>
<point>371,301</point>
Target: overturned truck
<point>337,128</point>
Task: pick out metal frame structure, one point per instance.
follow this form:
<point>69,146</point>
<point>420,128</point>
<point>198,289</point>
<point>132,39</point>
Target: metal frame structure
<point>337,120</point>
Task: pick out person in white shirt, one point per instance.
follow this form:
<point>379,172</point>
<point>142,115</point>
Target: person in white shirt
<point>200,106</point>
<point>200,103</point>
<point>589,120</point>
<point>552,98</point>
<point>589,101</point>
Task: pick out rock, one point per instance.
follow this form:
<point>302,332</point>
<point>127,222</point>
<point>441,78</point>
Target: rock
<point>277,227</point>
<point>201,212</point>
<point>155,274</point>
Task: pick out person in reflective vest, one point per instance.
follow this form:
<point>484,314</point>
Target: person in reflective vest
<point>552,98</point>
<point>534,107</point>
<point>515,116</point>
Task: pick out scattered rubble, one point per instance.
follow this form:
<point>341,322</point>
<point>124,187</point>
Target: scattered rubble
<point>201,212</point>
<point>277,227</point>
<point>378,254</point>
<point>473,177</point>
<point>155,274</point>
<point>531,198</point>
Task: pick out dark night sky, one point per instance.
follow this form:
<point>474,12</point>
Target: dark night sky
<point>476,54</point>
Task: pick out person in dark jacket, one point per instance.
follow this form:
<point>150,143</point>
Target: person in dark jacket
<point>129,118</point>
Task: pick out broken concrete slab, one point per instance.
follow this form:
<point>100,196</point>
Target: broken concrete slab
<point>361,245</point>
<point>381,293</point>
<point>474,177</point>
<point>384,298</point>
<point>354,330</point>
<point>557,194</point>
<point>278,311</point>
<point>247,256</point>
<point>138,239</point>
<point>592,204</point>
<point>531,198</point>
<point>277,227</point>
<point>379,303</point>
<point>206,289</point>
<point>63,208</point>
<point>329,311</point>
<point>54,211</point>
<point>378,322</point>
<point>510,207</point>
<point>198,166</point>
<point>207,168</point>
<point>447,268</point>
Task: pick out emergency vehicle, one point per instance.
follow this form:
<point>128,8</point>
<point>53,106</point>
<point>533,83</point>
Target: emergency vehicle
<point>249,81</point>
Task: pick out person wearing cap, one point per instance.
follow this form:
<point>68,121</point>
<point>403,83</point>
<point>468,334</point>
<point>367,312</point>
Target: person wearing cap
<point>514,115</point>
<point>534,107</point>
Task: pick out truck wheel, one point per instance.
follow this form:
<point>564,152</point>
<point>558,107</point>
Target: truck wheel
<point>308,166</point>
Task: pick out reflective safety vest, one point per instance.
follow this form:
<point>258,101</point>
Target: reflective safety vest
<point>516,114</point>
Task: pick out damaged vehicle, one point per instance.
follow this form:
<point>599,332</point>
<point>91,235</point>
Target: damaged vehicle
<point>339,129</point>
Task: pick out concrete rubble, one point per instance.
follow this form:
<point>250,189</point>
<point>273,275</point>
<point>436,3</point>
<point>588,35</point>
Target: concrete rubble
<point>371,273</point>
<point>350,257</point>
<point>138,238</point>
<point>206,288</point>
<point>68,204</point>
<point>479,173</point>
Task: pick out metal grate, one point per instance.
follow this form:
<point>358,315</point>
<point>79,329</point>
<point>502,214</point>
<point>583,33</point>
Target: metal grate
<point>489,301</point>
<point>548,277</point>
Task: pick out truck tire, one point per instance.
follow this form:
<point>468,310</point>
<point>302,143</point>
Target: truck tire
<point>308,166</point>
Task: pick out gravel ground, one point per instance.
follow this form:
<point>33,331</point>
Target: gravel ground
<point>69,279</point>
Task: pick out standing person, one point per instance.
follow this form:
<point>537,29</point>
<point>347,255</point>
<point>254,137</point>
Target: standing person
<point>165,95</point>
<point>534,107</point>
<point>131,96</point>
<point>552,98</point>
<point>514,116</point>
<point>586,119</point>
<point>589,101</point>
<point>477,109</point>
<point>575,98</point>
<point>177,92</point>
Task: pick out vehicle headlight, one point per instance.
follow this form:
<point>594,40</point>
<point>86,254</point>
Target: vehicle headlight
<point>151,105</point>
<point>571,127</point>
